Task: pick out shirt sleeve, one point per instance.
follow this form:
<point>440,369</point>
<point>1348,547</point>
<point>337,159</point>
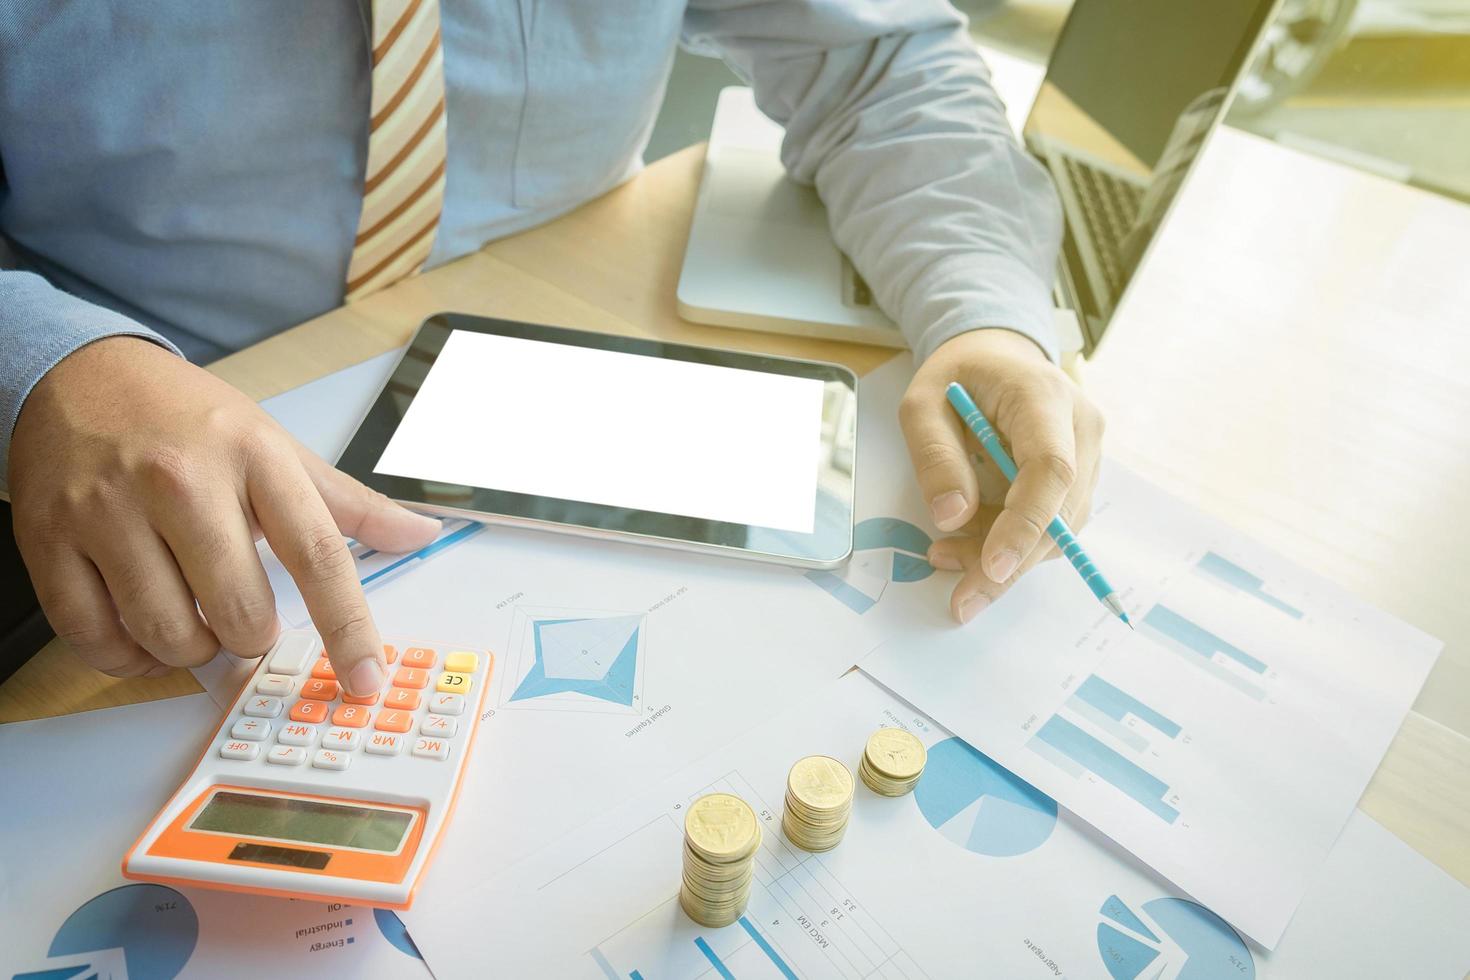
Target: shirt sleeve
<point>39,325</point>
<point>889,111</point>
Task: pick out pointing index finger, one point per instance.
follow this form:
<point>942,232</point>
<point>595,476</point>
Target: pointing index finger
<point>301,532</point>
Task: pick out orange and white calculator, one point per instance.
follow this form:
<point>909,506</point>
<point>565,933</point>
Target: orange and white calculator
<point>306,792</point>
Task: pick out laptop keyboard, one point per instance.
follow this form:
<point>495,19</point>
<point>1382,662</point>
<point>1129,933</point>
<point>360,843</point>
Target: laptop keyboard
<point>1110,206</point>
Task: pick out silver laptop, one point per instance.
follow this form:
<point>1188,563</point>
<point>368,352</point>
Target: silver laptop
<point>1132,90</point>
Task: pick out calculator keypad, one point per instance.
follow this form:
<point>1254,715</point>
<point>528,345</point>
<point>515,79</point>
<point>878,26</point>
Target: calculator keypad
<point>394,721</point>
<point>244,751</point>
<point>411,677</point>
<point>431,748</point>
<point>330,759</point>
<point>453,683</point>
<point>341,739</point>
<point>319,690</point>
<point>402,698</point>
<point>326,727</point>
<point>275,685</point>
<point>447,704</point>
<point>295,733</point>
<point>251,729</point>
<point>419,657</point>
<point>309,711</point>
<point>383,743</point>
<point>260,706</point>
<point>286,755</point>
<point>350,716</point>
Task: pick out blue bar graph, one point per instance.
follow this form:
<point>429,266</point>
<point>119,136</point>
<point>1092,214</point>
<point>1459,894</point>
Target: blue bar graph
<point>767,948</point>
<point>1116,704</point>
<point>1072,742</point>
<point>1169,623</point>
<point>1227,572</point>
<point>714,960</point>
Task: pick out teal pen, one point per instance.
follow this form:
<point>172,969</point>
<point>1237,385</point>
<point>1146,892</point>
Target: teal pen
<point>965,406</point>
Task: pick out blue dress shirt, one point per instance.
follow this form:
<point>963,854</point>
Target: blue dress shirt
<point>192,172</point>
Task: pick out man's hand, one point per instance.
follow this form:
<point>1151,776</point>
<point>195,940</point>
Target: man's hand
<point>1054,434</point>
<point>140,484</point>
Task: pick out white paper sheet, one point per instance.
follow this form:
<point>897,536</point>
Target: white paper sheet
<point>1224,743</point>
<point>615,666</point>
<point>974,874</point>
<point>79,789</point>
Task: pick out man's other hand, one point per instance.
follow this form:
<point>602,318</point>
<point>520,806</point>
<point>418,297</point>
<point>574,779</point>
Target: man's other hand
<point>1054,434</point>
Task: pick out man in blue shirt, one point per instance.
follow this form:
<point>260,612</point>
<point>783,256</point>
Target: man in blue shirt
<point>185,178</point>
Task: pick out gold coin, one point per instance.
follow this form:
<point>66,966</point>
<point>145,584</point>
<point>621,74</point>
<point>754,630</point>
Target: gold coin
<point>720,825</point>
<point>895,753</point>
<point>820,783</point>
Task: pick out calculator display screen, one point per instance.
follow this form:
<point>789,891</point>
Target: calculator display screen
<point>305,821</point>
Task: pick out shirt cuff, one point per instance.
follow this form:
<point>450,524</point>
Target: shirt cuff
<point>55,325</point>
<point>970,292</point>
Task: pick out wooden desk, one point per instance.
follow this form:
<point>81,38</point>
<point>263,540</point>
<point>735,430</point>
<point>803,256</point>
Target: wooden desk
<point>612,266</point>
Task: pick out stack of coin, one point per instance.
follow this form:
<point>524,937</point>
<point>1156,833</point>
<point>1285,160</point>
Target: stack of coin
<point>721,836</point>
<point>893,761</point>
<point>818,803</point>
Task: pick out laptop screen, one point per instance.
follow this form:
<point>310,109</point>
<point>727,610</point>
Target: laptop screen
<point>1132,90</point>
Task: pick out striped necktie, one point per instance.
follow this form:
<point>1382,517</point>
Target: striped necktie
<point>404,187</point>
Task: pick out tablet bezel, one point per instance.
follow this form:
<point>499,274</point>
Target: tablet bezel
<point>827,546</point>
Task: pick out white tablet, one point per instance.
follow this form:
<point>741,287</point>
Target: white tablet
<point>685,447</point>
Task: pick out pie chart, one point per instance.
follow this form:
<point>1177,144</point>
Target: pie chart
<point>981,806</point>
<point>905,547</point>
<point>884,550</point>
<point>154,926</point>
<point>393,930</point>
<point>1165,931</point>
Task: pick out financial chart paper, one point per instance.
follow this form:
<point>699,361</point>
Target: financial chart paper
<point>972,874</point>
<point>1225,742</point>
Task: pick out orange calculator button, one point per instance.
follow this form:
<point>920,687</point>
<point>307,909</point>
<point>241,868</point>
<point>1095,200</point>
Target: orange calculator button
<point>350,716</point>
<point>411,677</point>
<point>323,670</point>
<point>319,690</point>
<point>371,699</point>
<point>309,711</point>
<point>419,657</point>
<point>393,721</point>
<point>390,653</point>
<point>403,698</point>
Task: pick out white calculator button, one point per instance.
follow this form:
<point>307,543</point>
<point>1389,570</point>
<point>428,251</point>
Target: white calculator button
<point>383,743</point>
<point>251,729</point>
<point>342,739</point>
<point>447,704</point>
<point>438,725</point>
<point>239,750</point>
<point>286,755</point>
<point>330,759</point>
<point>295,733</point>
<point>431,748</point>
<point>275,685</point>
<point>260,706</point>
<point>293,653</point>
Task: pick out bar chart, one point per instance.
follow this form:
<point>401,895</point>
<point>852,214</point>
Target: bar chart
<point>1119,713</point>
<point>1205,650</point>
<point>1228,574</point>
<point>1076,751</point>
